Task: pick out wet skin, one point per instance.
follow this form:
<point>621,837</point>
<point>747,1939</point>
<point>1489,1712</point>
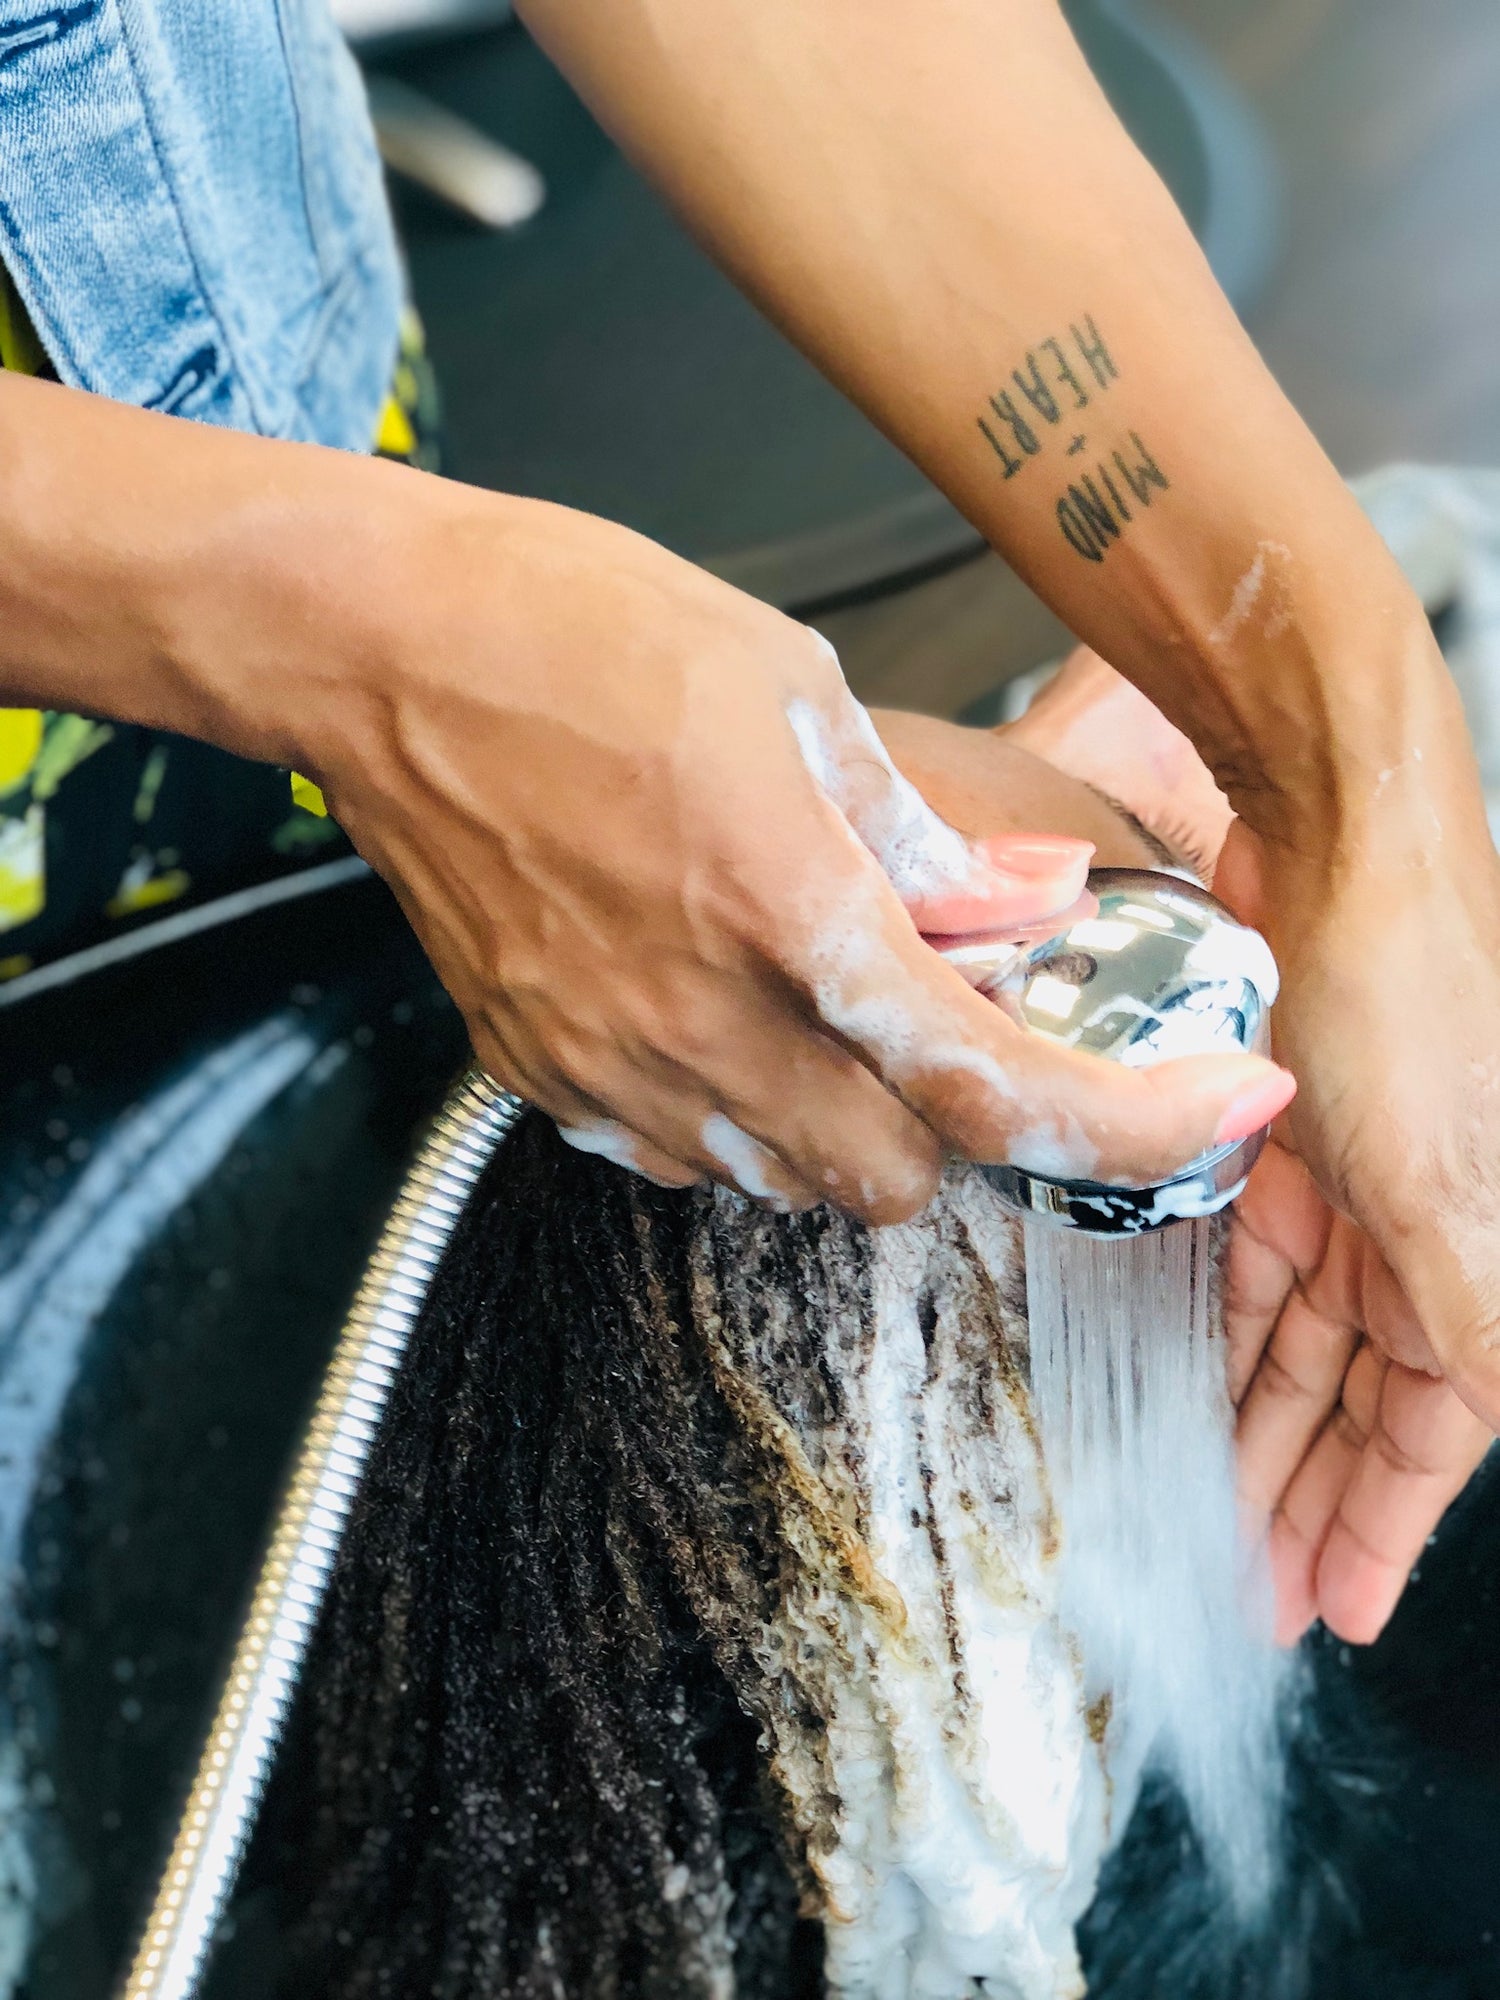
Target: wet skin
<point>1352,1444</point>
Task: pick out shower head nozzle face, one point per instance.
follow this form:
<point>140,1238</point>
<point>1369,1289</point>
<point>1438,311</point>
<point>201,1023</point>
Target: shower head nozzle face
<point>1160,970</point>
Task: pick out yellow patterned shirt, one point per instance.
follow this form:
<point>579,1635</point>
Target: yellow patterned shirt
<point>19,347</point>
<point>103,824</point>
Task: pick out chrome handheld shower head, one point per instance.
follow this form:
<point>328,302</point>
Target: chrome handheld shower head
<point>1160,970</point>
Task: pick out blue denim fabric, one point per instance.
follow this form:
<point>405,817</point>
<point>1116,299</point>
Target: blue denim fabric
<point>191,210</point>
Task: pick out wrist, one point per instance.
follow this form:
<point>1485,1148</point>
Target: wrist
<point>1314,690</point>
<point>164,572</point>
<point>431,604</point>
<point>277,611</point>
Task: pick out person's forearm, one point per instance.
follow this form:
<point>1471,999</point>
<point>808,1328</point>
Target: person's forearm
<point>938,204</point>
<point>158,571</point>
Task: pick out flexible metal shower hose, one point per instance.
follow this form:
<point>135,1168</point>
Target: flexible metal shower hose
<point>309,1528</point>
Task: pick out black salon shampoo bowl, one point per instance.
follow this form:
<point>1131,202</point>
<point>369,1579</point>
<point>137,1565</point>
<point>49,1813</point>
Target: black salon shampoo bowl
<point>198,1151</point>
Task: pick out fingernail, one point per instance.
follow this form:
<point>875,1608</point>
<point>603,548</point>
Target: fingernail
<point>1035,854</point>
<point>1254,1108</point>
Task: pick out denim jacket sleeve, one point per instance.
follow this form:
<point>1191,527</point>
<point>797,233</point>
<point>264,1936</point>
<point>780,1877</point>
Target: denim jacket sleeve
<point>192,212</point>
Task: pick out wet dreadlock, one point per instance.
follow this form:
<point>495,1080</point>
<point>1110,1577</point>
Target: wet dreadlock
<point>517,1767</point>
<point>565,1733</point>
<point>606,1611</point>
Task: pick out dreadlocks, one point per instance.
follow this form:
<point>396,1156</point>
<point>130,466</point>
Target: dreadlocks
<point>670,1614</point>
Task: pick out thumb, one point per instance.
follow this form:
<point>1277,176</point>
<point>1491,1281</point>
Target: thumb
<point>994,1092</point>
<point>1239,877</point>
<point>1054,1111</point>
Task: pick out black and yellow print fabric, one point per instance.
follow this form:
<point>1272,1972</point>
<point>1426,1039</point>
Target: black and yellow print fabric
<point>102,824</point>
<point>20,350</point>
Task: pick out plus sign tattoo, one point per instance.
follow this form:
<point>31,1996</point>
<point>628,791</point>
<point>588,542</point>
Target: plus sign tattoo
<point>1057,380</point>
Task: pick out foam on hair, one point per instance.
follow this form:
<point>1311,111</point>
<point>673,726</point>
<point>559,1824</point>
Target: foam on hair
<point>696,1631</point>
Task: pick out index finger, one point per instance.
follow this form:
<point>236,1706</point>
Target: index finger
<point>1278,1233</point>
<point>990,1090</point>
<point>1417,1459</point>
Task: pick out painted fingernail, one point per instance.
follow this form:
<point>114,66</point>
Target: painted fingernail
<point>1254,1108</point>
<point>1033,854</point>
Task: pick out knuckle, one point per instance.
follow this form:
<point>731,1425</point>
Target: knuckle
<point>1346,1430</point>
<point>1396,1457</point>
<point>888,1182</point>
<point>968,1119</point>
<point>901,1198</point>
<point>649,1037</point>
<point>1281,1382</point>
<point>575,1059</point>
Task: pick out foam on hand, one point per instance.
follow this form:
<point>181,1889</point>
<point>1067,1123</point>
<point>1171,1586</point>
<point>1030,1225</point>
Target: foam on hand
<point>918,852</point>
<point>743,1159</point>
<point>611,1141</point>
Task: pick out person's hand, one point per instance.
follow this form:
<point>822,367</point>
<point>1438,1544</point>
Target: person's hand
<point>1378,1388</point>
<point>662,862</point>
<point>1351,1443</point>
<point>1354,1431</point>
<point>1089,721</point>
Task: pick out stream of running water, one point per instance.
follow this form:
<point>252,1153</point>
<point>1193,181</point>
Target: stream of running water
<point>1171,1609</point>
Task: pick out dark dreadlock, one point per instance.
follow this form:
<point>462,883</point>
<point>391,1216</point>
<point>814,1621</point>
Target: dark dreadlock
<point>548,1745</point>
<point>517,1767</point>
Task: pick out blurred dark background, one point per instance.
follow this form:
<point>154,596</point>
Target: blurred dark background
<point>1381,314</point>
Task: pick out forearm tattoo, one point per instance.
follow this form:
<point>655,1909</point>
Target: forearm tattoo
<point>1043,401</point>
